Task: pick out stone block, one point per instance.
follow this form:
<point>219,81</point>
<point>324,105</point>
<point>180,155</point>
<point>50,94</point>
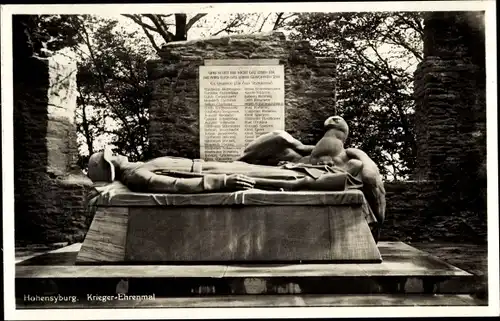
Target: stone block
<point>233,227</point>
<point>258,233</point>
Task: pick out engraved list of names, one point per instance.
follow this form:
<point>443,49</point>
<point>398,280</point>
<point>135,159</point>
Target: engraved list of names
<point>237,105</point>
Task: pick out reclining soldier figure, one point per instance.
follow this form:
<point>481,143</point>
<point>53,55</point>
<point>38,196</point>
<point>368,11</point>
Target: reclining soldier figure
<point>274,161</point>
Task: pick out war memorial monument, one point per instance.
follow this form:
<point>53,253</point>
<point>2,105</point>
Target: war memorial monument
<point>234,204</point>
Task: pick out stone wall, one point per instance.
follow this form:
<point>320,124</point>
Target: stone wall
<point>450,96</point>
<point>450,109</point>
<point>420,211</point>
<point>174,109</point>
<point>49,188</point>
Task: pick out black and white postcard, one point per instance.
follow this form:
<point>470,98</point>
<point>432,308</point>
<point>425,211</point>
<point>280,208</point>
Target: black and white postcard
<point>331,159</point>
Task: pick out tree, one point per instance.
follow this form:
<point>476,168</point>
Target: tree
<point>175,27</point>
<point>113,92</point>
<point>41,34</point>
<point>158,24</point>
<point>375,53</point>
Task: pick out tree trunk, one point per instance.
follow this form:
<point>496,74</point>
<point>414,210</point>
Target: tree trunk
<point>180,27</point>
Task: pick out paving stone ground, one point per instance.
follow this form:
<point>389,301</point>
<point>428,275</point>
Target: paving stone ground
<point>469,257</point>
<point>472,258</point>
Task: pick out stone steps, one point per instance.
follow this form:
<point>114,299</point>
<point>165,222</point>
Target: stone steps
<point>404,270</point>
<point>171,287</point>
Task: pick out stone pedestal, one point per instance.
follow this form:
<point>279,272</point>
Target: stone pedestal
<point>252,226</point>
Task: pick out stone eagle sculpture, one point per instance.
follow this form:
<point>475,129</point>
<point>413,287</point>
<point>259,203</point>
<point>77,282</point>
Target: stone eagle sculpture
<point>280,147</point>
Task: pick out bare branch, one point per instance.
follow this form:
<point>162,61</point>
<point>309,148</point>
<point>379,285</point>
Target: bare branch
<point>277,22</point>
<point>236,22</point>
<point>163,23</point>
<point>398,40</point>
<point>414,23</point>
<point>194,20</point>
<point>86,37</point>
<point>264,22</point>
<point>81,52</point>
<point>402,117</point>
<point>402,43</point>
<point>137,19</point>
<point>151,39</point>
<point>288,17</point>
<point>166,35</point>
<point>85,124</point>
<point>218,32</point>
<point>164,15</point>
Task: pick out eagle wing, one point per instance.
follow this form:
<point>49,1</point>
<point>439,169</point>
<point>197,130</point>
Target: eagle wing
<point>273,148</point>
<point>373,186</point>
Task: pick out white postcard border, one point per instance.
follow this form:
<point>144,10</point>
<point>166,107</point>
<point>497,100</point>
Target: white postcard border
<point>209,313</point>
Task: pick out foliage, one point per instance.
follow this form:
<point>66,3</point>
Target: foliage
<point>113,91</point>
<point>44,33</point>
<point>375,53</point>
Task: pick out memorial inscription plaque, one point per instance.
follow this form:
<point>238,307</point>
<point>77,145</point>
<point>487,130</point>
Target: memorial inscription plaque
<point>238,103</point>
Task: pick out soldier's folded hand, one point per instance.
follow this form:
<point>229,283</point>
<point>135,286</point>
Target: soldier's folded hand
<point>239,182</point>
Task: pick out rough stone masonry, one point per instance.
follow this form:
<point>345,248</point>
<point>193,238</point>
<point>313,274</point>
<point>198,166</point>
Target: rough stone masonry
<point>450,95</point>
<point>448,198</point>
<point>174,109</point>
<point>49,187</point>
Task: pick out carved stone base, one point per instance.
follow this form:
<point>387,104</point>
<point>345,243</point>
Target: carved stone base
<point>253,233</point>
<point>325,227</point>
<point>105,240</point>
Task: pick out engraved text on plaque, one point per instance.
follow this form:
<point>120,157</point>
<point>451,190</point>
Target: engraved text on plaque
<point>238,104</point>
